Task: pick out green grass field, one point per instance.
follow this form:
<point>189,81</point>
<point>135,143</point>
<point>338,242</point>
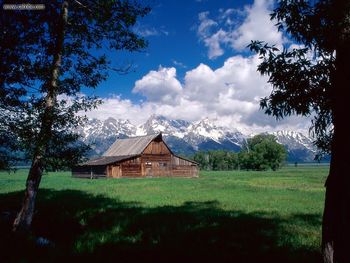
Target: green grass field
<point>234,216</point>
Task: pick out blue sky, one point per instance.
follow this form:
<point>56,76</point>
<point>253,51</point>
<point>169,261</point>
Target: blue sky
<point>170,30</point>
<point>197,66</point>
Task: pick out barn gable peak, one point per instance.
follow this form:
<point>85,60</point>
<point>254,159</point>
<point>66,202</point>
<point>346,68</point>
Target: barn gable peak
<point>132,145</point>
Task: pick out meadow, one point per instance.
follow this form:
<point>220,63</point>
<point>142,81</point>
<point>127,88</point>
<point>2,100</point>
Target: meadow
<point>235,216</point>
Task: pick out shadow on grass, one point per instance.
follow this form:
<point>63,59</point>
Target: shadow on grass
<point>84,227</point>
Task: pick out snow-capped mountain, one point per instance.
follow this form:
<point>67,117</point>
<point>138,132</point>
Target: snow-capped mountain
<point>161,124</point>
<point>294,140</point>
<point>104,129</point>
<point>101,134</point>
<point>204,135</point>
<point>300,147</point>
<point>186,138</point>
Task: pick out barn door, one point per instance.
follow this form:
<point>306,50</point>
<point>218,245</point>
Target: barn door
<point>116,171</point>
<point>148,171</point>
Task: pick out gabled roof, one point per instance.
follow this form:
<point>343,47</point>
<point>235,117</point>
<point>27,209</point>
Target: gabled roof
<point>106,160</point>
<point>130,146</point>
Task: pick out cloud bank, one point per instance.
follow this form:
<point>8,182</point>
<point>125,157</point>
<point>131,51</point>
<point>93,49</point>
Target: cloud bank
<point>229,94</point>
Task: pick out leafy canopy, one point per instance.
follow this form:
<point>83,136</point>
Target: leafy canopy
<point>301,76</point>
<point>262,152</point>
<point>27,50</point>
<point>217,160</point>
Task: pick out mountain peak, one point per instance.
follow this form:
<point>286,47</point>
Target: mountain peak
<point>156,118</point>
<point>159,123</point>
<point>186,137</point>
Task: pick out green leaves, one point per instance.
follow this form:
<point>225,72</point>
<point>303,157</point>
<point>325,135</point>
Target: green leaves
<point>27,50</point>
<point>301,77</point>
<point>262,152</point>
<point>217,160</point>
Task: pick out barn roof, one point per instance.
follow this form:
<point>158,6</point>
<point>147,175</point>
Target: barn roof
<point>107,160</point>
<point>186,159</point>
<point>130,146</point>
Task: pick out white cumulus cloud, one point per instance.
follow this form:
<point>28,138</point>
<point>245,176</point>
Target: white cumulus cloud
<point>159,86</point>
<point>236,28</point>
<point>257,26</point>
<point>230,94</point>
<point>236,79</point>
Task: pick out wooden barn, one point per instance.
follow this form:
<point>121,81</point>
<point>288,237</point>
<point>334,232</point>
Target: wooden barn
<point>144,156</point>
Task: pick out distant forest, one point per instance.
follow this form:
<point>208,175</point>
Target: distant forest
<point>261,152</point>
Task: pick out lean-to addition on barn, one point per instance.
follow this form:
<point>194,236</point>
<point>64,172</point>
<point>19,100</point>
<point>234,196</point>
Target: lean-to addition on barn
<point>144,156</point>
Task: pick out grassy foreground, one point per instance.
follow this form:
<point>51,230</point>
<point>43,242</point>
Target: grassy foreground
<point>233,216</point>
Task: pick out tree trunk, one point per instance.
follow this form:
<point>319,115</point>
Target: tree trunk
<point>336,217</point>
<point>25,216</point>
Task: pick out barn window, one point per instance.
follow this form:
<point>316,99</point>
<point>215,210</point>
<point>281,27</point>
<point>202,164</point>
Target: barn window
<point>148,164</point>
<point>163,164</point>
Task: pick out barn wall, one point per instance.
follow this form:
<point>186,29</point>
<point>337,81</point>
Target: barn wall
<point>158,165</point>
<point>166,158</point>
<point>184,171</point>
<point>89,171</point>
<point>157,168</point>
<point>175,160</point>
<point>156,147</point>
<point>155,161</point>
<point>131,168</point>
<point>182,167</point>
<point>114,171</point>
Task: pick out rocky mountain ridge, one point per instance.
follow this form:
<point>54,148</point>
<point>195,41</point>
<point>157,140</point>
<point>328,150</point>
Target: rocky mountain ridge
<point>186,138</point>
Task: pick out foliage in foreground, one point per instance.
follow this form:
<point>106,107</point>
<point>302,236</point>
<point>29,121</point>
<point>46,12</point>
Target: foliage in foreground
<point>48,59</point>
<point>311,79</point>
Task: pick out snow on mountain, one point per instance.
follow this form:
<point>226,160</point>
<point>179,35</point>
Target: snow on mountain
<point>109,127</point>
<point>294,140</point>
<point>161,124</point>
<point>300,147</point>
<point>186,138</point>
<point>204,129</point>
<point>101,134</point>
<point>205,135</point>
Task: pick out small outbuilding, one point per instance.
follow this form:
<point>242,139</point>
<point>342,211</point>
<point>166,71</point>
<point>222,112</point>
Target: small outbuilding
<point>144,156</point>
